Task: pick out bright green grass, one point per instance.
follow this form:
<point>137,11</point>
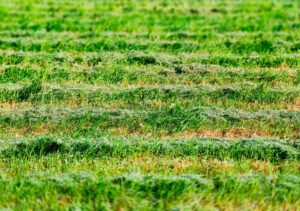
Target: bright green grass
<point>149,105</point>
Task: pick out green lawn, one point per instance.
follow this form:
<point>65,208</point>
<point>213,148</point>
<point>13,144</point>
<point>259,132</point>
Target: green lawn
<point>149,105</point>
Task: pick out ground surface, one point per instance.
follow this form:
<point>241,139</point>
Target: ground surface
<point>149,105</point>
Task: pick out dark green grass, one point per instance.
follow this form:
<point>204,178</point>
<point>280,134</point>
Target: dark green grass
<point>206,148</point>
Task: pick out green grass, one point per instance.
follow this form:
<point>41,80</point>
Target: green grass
<point>207,148</point>
<point>109,192</point>
<point>149,105</point>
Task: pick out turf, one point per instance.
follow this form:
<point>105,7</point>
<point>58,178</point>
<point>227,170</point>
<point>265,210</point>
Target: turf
<point>149,105</point>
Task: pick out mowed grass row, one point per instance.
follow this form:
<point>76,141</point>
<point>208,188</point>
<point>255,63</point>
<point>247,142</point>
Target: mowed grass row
<point>107,72</point>
<point>147,97</point>
<point>149,192</point>
<point>146,163</point>
<point>257,149</point>
<point>262,45</point>
<point>90,121</point>
<point>171,60</point>
<point>226,38</point>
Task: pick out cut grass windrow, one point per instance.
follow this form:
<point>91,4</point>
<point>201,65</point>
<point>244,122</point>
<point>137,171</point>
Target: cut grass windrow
<point>150,58</point>
<point>243,46</point>
<point>174,118</point>
<point>236,42</point>
<point>185,74</point>
<point>145,163</point>
<point>154,190</point>
<point>205,148</point>
<point>36,92</point>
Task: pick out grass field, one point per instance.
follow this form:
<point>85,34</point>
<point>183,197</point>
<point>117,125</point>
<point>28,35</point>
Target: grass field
<point>149,105</point>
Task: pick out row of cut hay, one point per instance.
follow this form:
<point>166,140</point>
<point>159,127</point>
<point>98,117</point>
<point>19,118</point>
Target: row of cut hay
<point>206,148</point>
